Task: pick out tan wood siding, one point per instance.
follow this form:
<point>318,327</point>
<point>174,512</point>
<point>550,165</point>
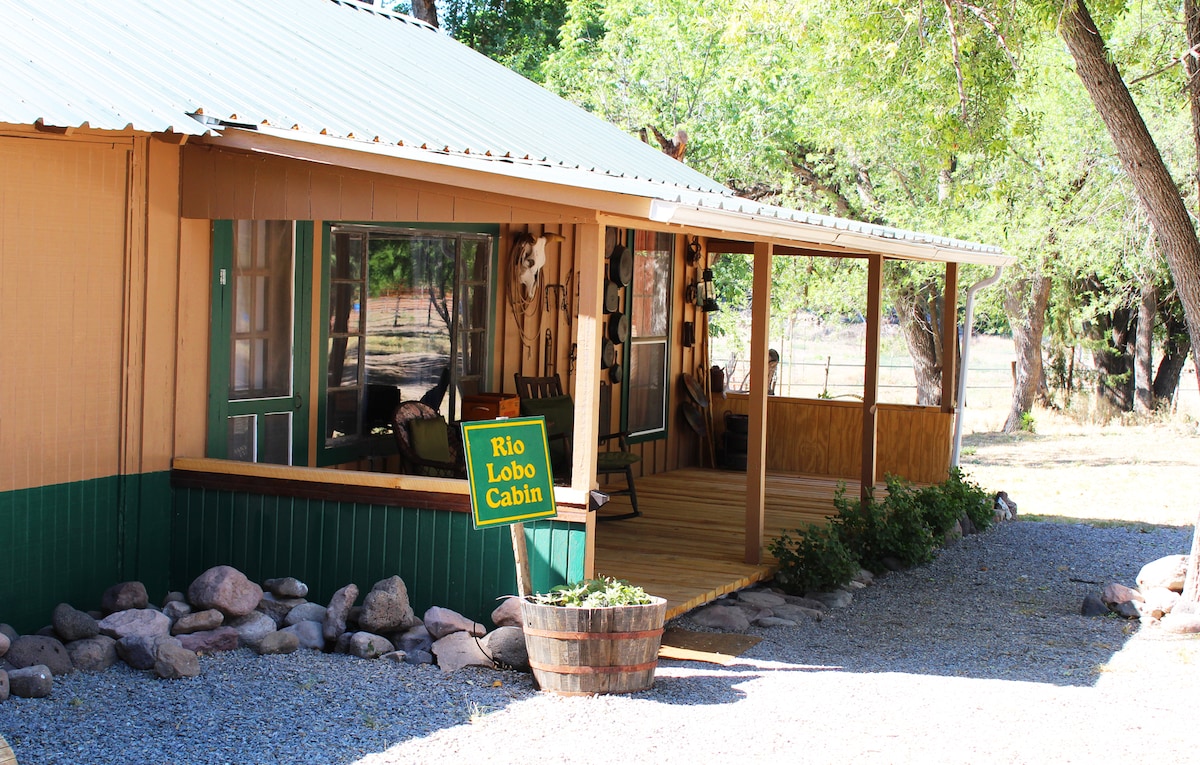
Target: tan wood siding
<point>62,258</point>
<point>814,437</point>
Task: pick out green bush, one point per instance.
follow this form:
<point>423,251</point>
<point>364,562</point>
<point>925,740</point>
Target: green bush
<point>817,560</point>
<point>969,499</point>
<point>862,528</point>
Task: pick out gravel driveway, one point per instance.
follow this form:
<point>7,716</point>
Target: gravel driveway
<point>979,657</point>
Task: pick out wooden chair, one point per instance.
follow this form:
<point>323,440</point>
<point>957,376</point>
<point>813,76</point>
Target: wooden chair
<point>427,445</point>
<point>544,396</point>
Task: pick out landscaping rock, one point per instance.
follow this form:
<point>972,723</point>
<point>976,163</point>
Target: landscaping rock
<point>214,641</point>
<point>761,598</point>
<point>508,613</point>
<point>337,610</point>
<point>5,642</point>
<point>252,628</point>
<point>286,587</point>
<point>952,536</point>
<point>174,597</point>
<point>797,614</point>
<point>396,657</point>
<point>864,576</point>
<point>278,643</point>
<point>967,525</point>
<point>173,661</point>
<point>8,631</point>
<point>278,608</point>
<point>140,651</point>
<point>135,621</point>
<point>386,607</point>
<point>201,621</point>
<point>34,682</point>
<point>72,624</point>
<point>803,602</point>
<point>308,634</point>
<point>1159,601</point>
<point>94,654</point>
<point>420,657</point>
<point>506,646</point>
<point>1126,610</point>
<point>225,589</point>
<point>442,621</point>
<point>774,621</point>
<point>834,599</point>
<point>1181,623</point>
<point>366,645</point>
<point>1114,594</point>
<point>721,618</point>
<point>176,609</point>
<point>1092,605</point>
<point>414,639</point>
<point>306,612</point>
<point>123,596</point>
<point>1167,572</point>
<point>458,650</point>
<point>4,692</point>
<point>35,650</point>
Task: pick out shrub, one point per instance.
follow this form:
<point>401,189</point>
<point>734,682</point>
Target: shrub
<point>594,593</point>
<point>862,528</point>
<point>968,498</point>
<point>817,560</point>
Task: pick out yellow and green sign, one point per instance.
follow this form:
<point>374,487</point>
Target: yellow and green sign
<point>508,468</point>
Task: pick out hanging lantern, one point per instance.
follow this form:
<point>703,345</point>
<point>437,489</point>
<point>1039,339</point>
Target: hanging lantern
<point>706,293</point>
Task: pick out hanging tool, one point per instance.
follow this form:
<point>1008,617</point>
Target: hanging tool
<point>548,363</point>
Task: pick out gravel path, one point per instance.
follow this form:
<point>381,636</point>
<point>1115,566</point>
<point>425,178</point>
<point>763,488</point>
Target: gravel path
<point>979,657</point>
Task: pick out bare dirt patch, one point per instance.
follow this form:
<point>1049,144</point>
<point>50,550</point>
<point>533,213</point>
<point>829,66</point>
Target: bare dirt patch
<point>1147,473</point>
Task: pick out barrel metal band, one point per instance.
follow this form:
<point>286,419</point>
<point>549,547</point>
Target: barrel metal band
<point>593,635</point>
<point>566,669</point>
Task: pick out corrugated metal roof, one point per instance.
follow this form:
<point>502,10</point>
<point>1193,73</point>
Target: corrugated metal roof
<point>340,72</point>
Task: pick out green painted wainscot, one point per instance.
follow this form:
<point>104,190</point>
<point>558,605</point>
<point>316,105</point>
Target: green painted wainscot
<point>326,538</point>
<point>67,543</point>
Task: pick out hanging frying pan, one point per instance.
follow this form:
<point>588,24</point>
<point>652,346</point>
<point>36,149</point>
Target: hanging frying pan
<point>694,390</point>
<point>608,353</point>
<point>618,327</point>
<point>612,297</point>
<point>695,419</point>
<point>614,374</point>
<point>620,266</point>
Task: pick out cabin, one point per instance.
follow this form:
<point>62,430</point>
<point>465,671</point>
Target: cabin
<point>238,238</point>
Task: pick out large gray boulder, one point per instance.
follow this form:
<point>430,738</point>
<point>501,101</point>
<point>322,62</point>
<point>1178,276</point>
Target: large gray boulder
<point>34,650</point>
<point>833,598</point>
<point>176,610</point>
<point>413,641</point>
<point>278,642</point>
<point>72,624</point>
<point>367,645</point>
<point>278,608</point>
<point>797,613</point>
<point>34,682</point>
<point>309,634</point>
<point>225,589</point>
<point>4,692</point>
<point>386,607</point>
<point>136,621</point>
<point>306,612</point>
<point>173,661</point>
<point>725,618</point>
<point>123,596</point>
<point>212,641</point>
<point>337,610</point>
<point>94,654</point>
<point>458,650</point>
<point>140,651</point>
<point>1166,572</point>
<point>286,587</point>
<point>506,646</point>
<point>761,598</point>
<point>253,627</point>
<point>442,621</point>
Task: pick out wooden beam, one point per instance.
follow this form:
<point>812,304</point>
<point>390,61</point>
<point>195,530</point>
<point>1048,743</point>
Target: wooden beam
<point>871,374</point>
<point>949,337</point>
<point>589,256</point>
<point>756,448</point>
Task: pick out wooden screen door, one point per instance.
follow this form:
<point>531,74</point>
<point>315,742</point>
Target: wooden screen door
<point>259,381</point>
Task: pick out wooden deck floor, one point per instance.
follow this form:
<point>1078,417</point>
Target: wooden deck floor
<point>689,544</point>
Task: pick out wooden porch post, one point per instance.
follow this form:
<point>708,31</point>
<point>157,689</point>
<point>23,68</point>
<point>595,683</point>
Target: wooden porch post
<point>949,337</point>
<point>589,255</point>
<point>756,448</point>
<point>871,373</point>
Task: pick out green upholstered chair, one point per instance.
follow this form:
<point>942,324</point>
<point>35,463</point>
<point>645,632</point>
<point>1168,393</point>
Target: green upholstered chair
<point>545,396</point>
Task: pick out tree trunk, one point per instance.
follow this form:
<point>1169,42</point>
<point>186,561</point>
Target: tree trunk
<point>1025,305</point>
<point>919,310</point>
<point>425,10</point>
<point>1111,336</point>
<point>1143,365</point>
<point>1175,350</point>
<point>1156,191</point>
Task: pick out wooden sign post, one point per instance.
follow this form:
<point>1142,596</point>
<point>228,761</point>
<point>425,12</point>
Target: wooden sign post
<point>508,469</point>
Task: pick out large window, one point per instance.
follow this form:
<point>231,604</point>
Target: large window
<point>649,325</point>
<point>407,321</point>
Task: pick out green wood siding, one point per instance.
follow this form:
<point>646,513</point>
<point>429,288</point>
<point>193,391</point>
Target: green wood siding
<point>68,543</point>
<point>442,559</point>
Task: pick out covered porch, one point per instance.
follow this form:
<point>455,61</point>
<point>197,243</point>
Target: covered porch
<point>684,547</point>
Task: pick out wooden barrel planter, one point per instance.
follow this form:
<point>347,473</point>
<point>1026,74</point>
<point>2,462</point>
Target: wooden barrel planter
<point>583,651</point>
<point>6,753</point>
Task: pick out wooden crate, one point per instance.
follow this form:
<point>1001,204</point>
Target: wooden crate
<point>489,406</point>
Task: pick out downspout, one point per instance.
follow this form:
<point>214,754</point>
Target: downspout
<point>966,357</point>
